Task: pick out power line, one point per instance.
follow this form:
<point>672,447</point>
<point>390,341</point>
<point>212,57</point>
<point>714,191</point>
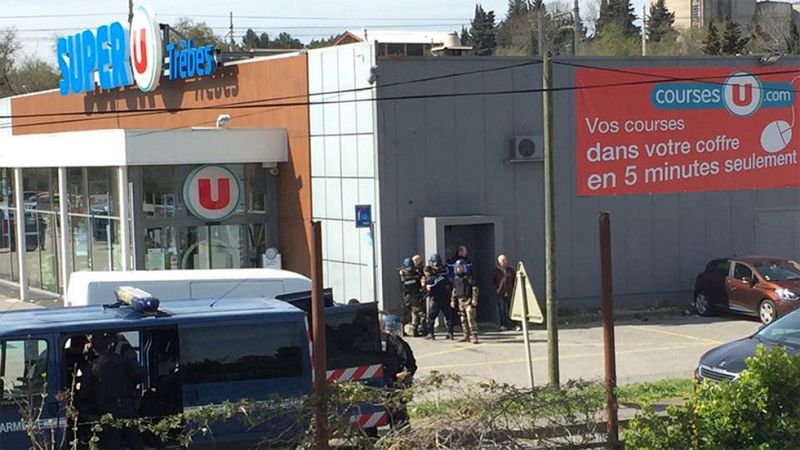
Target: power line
<point>248,105</point>
<point>318,94</point>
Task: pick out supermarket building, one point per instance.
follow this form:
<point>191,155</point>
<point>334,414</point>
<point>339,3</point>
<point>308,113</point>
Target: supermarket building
<point>445,150</point>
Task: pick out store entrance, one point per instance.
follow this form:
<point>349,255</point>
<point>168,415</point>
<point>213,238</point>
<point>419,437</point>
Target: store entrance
<point>202,246</point>
<point>170,236</point>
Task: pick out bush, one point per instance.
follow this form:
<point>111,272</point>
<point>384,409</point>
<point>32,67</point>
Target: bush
<point>760,410</point>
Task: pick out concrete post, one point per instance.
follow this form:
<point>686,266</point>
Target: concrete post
<point>19,224</point>
<point>63,219</point>
<point>124,217</point>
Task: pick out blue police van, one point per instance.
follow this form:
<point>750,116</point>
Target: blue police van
<point>194,353</point>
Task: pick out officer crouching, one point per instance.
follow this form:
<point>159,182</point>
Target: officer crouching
<point>399,366</point>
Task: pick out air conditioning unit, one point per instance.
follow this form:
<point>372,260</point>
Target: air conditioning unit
<point>527,149</point>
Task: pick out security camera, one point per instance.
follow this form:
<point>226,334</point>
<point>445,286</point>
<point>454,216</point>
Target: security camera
<point>223,120</point>
<point>274,171</point>
<point>373,75</point>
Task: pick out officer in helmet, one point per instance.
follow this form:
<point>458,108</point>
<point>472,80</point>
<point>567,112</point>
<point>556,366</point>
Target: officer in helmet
<point>413,303</point>
<point>465,298</point>
<point>439,287</point>
<point>399,366</point>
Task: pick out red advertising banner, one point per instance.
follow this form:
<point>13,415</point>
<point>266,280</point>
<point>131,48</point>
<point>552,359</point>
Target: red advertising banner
<point>651,131</point>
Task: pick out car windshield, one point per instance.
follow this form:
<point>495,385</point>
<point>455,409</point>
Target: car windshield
<point>784,331</point>
<point>779,270</point>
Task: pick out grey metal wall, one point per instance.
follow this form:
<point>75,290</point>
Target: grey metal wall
<point>445,156</point>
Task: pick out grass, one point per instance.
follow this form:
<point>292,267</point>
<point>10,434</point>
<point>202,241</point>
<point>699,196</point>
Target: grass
<point>638,394</point>
<point>647,393</point>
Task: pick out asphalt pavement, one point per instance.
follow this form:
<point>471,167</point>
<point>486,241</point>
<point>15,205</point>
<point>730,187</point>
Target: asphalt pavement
<point>648,349</point>
<point>661,346</point>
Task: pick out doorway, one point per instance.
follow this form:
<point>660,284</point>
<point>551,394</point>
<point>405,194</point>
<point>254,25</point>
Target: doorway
<point>483,237</point>
<point>479,240</point>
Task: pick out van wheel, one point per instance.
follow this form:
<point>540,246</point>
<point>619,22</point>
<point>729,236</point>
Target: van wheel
<point>701,304</point>
<point>767,312</point>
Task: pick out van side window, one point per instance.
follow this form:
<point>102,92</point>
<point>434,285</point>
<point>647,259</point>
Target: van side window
<point>241,353</point>
<point>23,368</point>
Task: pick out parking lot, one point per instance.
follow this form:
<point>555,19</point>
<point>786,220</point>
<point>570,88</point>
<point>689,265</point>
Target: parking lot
<point>654,348</point>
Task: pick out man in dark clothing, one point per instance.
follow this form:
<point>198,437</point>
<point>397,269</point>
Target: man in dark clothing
<point>437,288</point>
<point>465,298</point>
<point>399,366</point>
<point>413,302</point>
<point>111,387</point>
<point>77,365</point>
<point>503,280</point>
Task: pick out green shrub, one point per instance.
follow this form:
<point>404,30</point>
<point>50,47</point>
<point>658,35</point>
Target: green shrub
<point>760,410</point>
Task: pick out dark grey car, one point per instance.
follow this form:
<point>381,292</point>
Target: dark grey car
<point>728,360</point>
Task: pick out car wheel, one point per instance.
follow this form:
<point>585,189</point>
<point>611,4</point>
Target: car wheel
<point>767,312</point>
<point>701,304</point>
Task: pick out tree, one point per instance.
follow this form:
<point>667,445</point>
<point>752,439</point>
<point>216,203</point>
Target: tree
<point>9,46</point>
<point>712,45</point>
<point>620,13</point>
<point>733,43</point>
<point>660,26</point>
<point>285,40</point>
<point>793,41</point>
<point>483,32</point>
<point>250,40</point>
<point>318,43</point>
<point>614,42</point>
<point>465,37</point>
<point>34,75</point>
<point>200,33</point>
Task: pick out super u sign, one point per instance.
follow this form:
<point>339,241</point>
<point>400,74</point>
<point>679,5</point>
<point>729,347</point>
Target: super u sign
<point>212,193</point>
<point>112,57</point>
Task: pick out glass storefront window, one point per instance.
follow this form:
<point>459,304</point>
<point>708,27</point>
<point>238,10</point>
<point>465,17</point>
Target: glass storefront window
<point>256,189</point>
<point>77,188</point>
<point>80,243</point>
<point>159,188</point>
<point>171,237</point>
<point>103,191</point>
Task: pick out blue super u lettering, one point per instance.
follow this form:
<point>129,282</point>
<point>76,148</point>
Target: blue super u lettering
<point>104,51</point>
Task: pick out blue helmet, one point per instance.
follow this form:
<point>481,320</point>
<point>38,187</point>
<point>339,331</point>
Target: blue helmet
<point>407,263</point>
<point>392,324</point>
<point>435,258</point>
<point>460,266</point>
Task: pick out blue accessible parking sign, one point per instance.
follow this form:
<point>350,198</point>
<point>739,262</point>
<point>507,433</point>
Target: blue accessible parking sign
<point>363,216</point>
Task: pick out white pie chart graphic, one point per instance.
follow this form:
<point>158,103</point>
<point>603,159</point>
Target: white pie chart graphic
<point>776,136</point>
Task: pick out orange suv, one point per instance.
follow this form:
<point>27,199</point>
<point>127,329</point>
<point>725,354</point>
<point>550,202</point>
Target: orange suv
<point>761,286</point>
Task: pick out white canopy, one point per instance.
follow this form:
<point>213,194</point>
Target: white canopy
<point>117,147</point>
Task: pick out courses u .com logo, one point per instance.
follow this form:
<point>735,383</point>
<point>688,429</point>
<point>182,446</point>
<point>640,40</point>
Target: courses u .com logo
<point>741,93</point>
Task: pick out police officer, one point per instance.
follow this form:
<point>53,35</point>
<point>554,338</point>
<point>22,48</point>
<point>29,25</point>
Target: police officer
<point>437,287</point>
<point>111,386</point>
<point>439,292</point>
<point>465,298</point>
<point>413,303</point>
<point>399,366</point>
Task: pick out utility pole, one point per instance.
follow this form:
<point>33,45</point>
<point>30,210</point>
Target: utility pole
<point>576,27</point>
<point>549,224</point>
<point>319,354</point>
<point>233,42</point>
<point>540,31</point>
<point>644,30</point>
<point>609,345</point>
<point>130,12</point>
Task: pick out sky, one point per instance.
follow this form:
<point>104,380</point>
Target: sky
<point>304,19</point>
